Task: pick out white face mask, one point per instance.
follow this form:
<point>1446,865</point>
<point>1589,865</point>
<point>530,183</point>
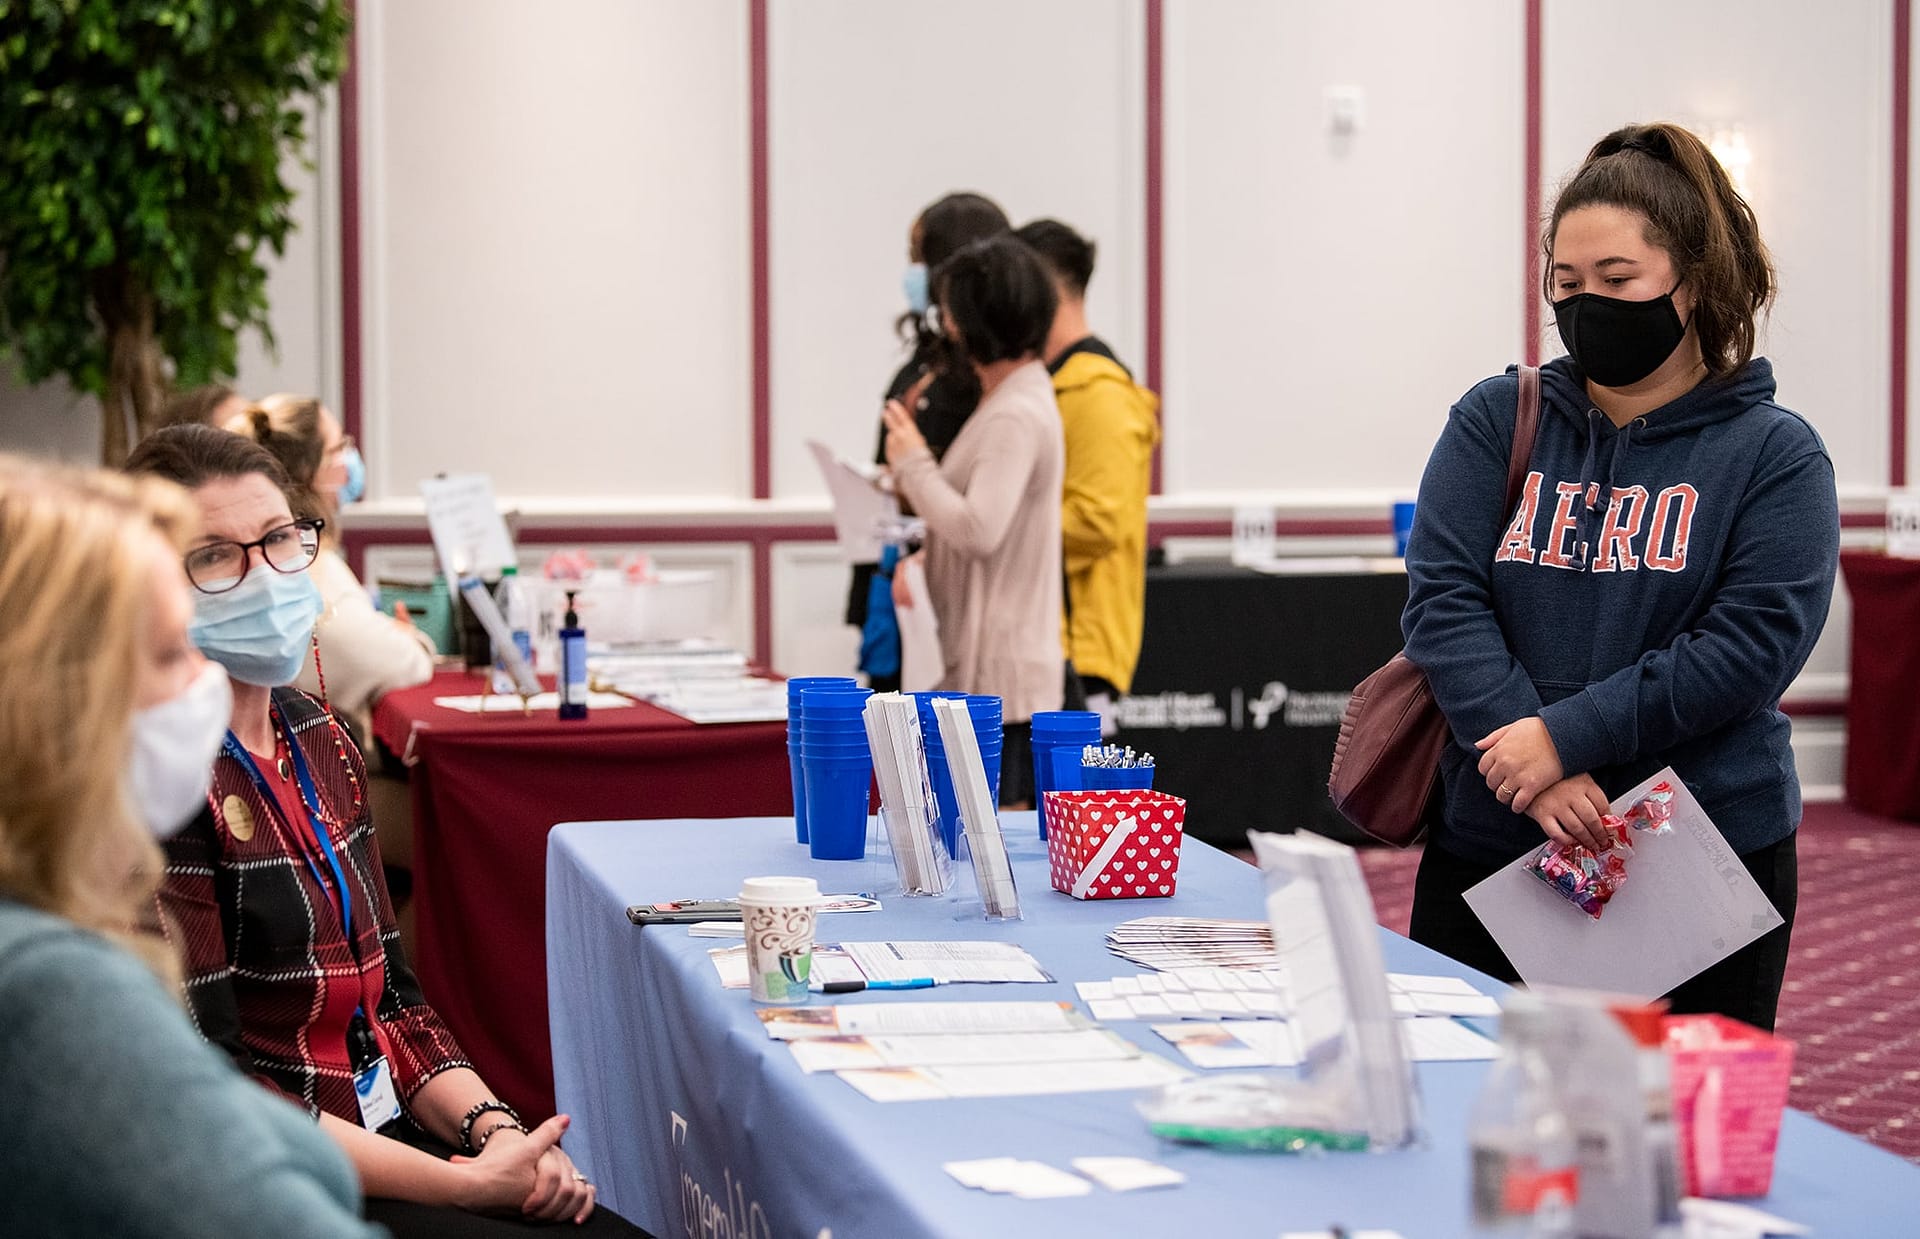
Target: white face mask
<point>174,744</point>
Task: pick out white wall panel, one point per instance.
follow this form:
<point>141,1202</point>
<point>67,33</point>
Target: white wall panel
<point>556,239</point>
<point>810,633</point>
<point>1819,180</point>
<point>878,107</point>
<point>1328,298</point>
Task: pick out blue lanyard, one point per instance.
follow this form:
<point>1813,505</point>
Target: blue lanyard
<point>310,797</point>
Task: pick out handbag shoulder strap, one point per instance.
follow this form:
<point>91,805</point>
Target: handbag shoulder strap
<point>1526,424</point>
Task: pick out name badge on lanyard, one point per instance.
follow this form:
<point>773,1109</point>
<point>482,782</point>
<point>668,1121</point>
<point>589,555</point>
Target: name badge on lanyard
<point>379,1103</point>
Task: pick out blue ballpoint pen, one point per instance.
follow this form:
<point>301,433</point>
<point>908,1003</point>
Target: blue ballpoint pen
<point>854,987</point>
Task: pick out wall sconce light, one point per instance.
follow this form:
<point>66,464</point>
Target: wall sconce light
<point>1729,145</point>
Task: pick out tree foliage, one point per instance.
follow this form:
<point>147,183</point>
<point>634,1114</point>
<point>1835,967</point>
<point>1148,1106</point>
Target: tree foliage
<point>141,145</point>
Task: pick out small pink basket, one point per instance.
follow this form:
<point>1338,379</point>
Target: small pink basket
<point>1729,1092</point>
<point>1145,865</point>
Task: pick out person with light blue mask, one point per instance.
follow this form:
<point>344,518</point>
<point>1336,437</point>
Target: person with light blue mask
<point>364,653</point>
<point>940,391</point>
<point>278,901</point>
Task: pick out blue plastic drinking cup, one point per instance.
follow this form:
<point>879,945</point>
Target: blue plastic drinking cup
<point>837,798</point>
<point>1055,730</point>
<point>1402,527</point>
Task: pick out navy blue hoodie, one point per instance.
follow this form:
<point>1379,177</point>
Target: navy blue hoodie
<point>1656,627</point>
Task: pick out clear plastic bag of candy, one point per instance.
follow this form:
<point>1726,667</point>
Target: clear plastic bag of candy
<point>1587,879</point>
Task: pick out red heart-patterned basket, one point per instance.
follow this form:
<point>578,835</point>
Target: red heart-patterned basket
<point>1144,865</point>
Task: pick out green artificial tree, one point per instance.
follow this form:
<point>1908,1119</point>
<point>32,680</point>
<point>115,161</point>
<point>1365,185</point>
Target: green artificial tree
<point>141,146</point>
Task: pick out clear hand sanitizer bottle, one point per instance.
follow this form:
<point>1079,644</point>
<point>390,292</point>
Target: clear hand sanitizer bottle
<point>1526,1174</point>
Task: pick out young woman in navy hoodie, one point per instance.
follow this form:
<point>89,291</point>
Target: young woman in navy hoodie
<point>1663,577</point>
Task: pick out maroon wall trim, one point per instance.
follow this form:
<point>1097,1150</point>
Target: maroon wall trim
<point>1530,225</point>
<point>1897,367</point>
<point>1155,221</point>
<point>762,313</point>
<point>351,356</point>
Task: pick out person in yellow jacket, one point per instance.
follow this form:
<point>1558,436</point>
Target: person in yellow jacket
<point>1111,427</point>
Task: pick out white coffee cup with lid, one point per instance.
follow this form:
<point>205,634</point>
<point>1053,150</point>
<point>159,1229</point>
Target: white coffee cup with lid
<point>778,915</point>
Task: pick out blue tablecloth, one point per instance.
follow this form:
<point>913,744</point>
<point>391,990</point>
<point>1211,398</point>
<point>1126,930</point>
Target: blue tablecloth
<point>693,1122</point>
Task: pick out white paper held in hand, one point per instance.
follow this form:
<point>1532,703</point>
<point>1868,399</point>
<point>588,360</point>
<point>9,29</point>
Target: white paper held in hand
<point>1687,904</point>
<point>860,508</point>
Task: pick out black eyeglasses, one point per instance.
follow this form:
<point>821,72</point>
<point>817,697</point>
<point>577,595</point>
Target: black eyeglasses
<point>220,566</point>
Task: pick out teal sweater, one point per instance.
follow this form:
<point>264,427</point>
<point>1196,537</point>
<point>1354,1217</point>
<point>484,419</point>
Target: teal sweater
<point>121,1121</point>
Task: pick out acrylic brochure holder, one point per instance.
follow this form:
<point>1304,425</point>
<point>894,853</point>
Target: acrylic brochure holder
<point>1356,1088</point>
<point>979,815</point>
<point>909,816</point>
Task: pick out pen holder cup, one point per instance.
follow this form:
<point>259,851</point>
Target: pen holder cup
<point>1729,1092</point>
<point>1116,778</point>
<point>1145,864</point>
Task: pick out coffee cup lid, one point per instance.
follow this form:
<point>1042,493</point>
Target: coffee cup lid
<point>779,890</point>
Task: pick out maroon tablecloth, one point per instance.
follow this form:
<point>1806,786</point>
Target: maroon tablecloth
<point>486,790</point>
<point>1883,687</point>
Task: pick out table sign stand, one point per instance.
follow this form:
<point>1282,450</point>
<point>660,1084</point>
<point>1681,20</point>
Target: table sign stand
<point>909,814</point>
<point>474,590</point>
<point>979,816</point>
<point>1356,1088</point>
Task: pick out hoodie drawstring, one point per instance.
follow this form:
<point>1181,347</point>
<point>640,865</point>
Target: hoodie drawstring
<point>1581,539</point>
<point>1587,528</point>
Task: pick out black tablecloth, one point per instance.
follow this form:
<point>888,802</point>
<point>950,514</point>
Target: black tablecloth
<point>1243,677</point>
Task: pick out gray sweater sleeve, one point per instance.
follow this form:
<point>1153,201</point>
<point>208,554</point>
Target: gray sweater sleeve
<point>124,1122</point>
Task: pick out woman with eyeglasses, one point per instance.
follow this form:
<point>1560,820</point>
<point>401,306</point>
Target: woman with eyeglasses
<point>363,654</point>
<point>276,898</point>
<point>122,1121</point>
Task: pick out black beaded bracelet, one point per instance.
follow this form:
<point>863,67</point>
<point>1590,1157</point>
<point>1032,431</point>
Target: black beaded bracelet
<point>473,1116</point>
<point>496,1129</point>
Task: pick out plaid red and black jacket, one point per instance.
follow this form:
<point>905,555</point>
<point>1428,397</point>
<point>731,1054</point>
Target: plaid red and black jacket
<point>271,977</point>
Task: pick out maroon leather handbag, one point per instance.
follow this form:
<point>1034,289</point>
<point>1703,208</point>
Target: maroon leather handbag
<point>1387,758</point>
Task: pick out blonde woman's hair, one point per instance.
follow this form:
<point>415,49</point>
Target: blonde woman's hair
<point>76,582</point>
<point>288,426</point>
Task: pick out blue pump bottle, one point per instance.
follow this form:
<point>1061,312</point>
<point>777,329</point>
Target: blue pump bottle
<point>573,664</point>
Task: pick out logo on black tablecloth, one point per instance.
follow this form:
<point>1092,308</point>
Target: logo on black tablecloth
<point>1274,703</point>
<point>1294,709</point>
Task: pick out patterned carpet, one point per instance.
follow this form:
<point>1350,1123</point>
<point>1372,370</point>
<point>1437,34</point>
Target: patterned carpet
<point>1852,997</point>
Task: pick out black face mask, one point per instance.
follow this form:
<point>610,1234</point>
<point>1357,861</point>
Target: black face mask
<point>1618,343</point>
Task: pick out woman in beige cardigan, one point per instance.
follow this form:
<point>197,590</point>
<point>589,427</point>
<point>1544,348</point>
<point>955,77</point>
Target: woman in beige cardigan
<point>992,504</point>
<point>364,653</point>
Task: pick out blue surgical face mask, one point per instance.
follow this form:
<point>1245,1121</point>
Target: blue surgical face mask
<point>913,282</point>
<point>258,630</point>
<point>356,488</point>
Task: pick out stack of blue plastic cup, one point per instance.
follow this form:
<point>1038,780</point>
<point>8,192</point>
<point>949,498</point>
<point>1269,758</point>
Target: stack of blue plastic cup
<point>836,767</point>
<point>794,688</point>
<point>991,735</point>
<point>1067,731</point>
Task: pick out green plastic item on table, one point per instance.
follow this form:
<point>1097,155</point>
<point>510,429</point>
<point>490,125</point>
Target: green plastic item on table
<point>429,606</point>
